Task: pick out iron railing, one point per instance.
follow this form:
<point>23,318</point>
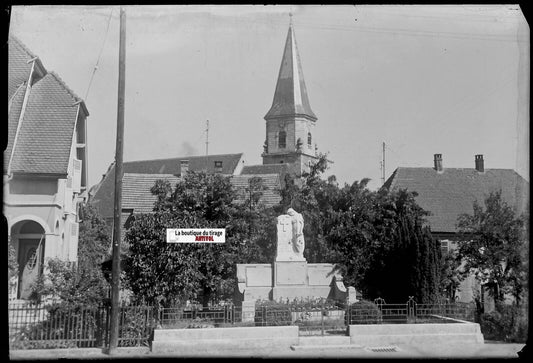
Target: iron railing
<point>59,326</point>
<point>410,312</point>
<point>33,326</point>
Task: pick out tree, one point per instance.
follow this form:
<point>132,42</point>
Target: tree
<point>494,246</point>
<point>12,265</point>
<point>81,283</point>
<point>378,240</point>
<point>161,272</point>
<point>311,196</point>
<point>387,251</point>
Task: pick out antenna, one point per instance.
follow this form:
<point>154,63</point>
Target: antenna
<point>383,164</point>
<point>206,145</point>
<point>207,138</point>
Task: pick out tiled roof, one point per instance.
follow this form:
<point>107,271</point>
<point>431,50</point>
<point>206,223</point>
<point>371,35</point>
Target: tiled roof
<point>45,137</point>
<point>12,123</point>
<point>136,192</point>
<point>290,97</point>
<point>43,142</point>
<point>18,67</point>
<point>271,195</point>
<point>451,193</point>
<point>103,193</point>
<point>280,169</point>
<point>172,166</point>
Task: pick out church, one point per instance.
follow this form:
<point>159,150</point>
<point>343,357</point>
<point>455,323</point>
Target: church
<point>289,148</point>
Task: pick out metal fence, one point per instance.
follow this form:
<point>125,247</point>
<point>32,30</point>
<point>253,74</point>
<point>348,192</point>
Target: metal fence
<point>321,320</point>
<point>410,312</point>
<point>58,326</point>
<point>33,326</point>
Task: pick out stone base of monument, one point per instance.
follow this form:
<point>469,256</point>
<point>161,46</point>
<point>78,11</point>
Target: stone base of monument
<point>290,280</point>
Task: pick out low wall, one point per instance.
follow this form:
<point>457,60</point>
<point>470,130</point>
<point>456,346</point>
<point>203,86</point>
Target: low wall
<point>394,334</point>
<point>194,341</point>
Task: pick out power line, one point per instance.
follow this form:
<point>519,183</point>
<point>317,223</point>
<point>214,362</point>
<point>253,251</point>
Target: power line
<point>99,55</point>
<point>403,31</point>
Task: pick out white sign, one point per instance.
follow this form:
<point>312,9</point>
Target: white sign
<point>196,235</point>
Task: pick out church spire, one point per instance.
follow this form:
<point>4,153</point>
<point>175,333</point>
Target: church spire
<point>290,97</point>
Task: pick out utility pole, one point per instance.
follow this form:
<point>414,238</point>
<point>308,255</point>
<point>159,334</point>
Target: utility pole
<point>115,275</point>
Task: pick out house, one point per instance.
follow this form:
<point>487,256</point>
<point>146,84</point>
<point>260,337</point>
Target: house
<point>140,176</point>
<point>449,192</point>
<point>45,165</point>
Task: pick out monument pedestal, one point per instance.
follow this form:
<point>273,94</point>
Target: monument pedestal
<point>290,280</point>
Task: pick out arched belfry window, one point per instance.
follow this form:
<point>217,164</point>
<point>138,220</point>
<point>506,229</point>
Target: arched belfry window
<point>309,139</point>
<point>282,140</point>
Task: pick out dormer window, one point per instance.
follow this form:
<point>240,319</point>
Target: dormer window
<point>282,140</point>
<point>218,166</point>
<point>184,167</point>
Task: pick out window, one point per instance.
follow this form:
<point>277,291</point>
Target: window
<point>184,167</point>
<point>444,247</point>
<point>309,139</point>
<point>218,166</point>
<point>282,140</point>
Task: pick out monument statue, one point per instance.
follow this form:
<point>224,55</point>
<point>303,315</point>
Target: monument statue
<point>298,242</point>
<point>290,243</point>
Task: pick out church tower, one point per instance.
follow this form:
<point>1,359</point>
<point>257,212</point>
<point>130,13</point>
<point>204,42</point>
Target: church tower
<point>290,122</point>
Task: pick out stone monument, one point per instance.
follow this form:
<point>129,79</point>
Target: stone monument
<point>291,243</point>
<point>290,276</point>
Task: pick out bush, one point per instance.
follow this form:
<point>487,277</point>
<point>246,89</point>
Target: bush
<point>64,327</point>
<point>363,312</point>
<point>136,326</point>
<point>272,313</point>
<point>507,323</point>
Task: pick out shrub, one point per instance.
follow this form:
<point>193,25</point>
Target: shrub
<point>507,323</point>
<point>136,326</point>
<point>64,327</point>
<point>272,313</point>
<point>363,312</point>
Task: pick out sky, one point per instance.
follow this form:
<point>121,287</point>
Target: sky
<point>423,80</point>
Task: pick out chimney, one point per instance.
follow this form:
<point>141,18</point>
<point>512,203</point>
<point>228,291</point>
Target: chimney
<point>437,160</point>
<point>480,165</point>
<point>218,166</point>
<point>184,167</point>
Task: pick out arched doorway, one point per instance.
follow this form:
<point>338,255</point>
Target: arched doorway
<point>28,238</point>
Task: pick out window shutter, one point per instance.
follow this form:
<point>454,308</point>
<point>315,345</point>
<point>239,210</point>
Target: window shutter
<point>76,180</point>
<point>73,243</point>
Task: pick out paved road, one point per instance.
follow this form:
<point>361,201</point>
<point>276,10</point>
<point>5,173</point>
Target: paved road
<point>487,350</point>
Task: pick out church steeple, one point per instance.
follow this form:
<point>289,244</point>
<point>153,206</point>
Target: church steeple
<point>290,122</point>
<point>290,97</point>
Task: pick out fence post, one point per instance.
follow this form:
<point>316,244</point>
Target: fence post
<point>322,312</point>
